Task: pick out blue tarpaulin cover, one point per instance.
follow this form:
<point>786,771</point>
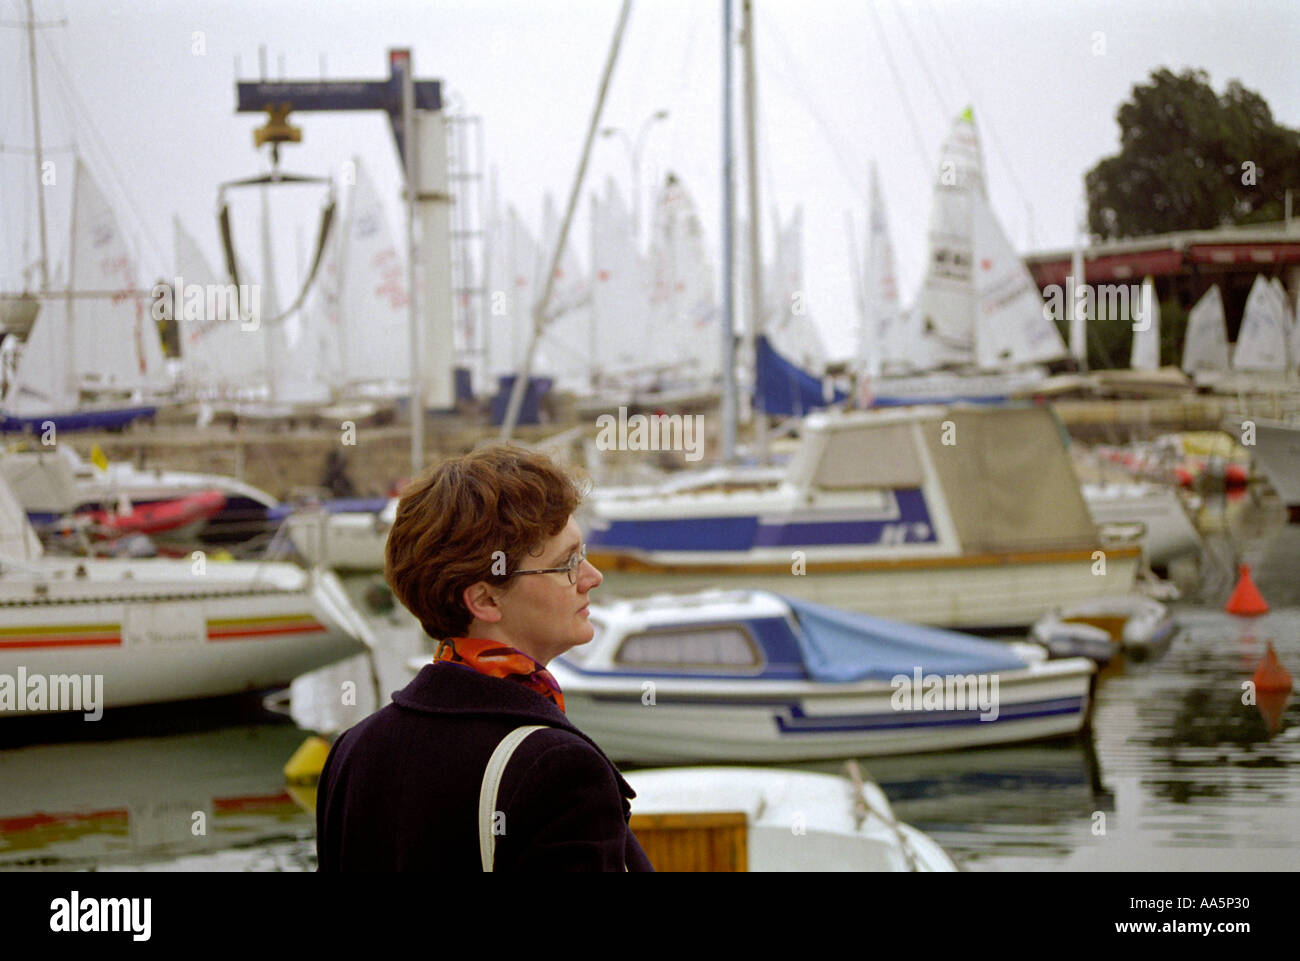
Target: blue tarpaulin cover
<point>784,389</point>
<point>843,646</point>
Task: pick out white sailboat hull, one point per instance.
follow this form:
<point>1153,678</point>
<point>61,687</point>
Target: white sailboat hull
<point>156,631</point>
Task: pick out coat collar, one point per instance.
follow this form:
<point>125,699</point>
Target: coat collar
<point>446,688</point>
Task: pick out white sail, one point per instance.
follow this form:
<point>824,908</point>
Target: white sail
<point>945,308</point>
<point>374,300</point>
<point>620,293</point>
<point>1289,320</point>
<point>517,286</point>
<point>219,357</point>
<point>881,336</point>
<point>18,542</point>
<point>1145,351</point>
<point>1262,340</point>
<point>564,351</point>
<point>789,327</point>
<point>1206,346</point>
<point>1011,328</point>
<point>43,381</point>
<point>114,341</point>
<point>683,299</point>
<point>498,337</point>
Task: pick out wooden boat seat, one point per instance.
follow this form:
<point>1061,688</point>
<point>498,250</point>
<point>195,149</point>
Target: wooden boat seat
<point>702,841</point>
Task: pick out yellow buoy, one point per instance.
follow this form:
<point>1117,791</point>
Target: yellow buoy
<point>305,766</point>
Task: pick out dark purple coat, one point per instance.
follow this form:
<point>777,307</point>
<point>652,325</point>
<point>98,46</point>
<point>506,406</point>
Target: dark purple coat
<point>400,790</point>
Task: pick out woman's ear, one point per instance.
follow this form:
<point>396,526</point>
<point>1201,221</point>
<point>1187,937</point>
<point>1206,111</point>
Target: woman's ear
<point>480,600</point>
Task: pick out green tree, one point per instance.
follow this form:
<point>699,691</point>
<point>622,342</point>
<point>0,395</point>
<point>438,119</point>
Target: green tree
<point>1190,159</point>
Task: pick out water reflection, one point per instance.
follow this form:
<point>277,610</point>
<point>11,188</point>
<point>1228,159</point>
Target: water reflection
<point>129,801</point>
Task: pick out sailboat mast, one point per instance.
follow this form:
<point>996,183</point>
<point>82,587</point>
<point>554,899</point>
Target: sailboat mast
<point>755,257</point>
<point>36,136</point>
<point>728,257</point>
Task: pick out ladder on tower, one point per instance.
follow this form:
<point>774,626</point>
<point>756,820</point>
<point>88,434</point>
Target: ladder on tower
<point>465,163</point>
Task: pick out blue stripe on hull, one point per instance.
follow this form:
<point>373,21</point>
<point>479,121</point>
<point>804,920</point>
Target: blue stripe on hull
<point>792,720</point>
<point>909,523</point>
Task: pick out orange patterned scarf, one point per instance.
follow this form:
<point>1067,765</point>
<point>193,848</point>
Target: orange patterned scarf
<point>499,660</point>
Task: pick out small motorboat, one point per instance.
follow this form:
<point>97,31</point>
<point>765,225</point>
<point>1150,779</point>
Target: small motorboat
<point>751,676</point>
<point>1064,638</point>
<point>767,819</point>
<point>1139,625</point>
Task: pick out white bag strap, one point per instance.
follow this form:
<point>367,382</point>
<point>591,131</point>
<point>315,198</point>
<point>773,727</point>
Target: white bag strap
<point>487,797</point>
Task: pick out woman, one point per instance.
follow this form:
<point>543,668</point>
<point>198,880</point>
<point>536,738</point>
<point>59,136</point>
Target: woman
<point>486,554</point>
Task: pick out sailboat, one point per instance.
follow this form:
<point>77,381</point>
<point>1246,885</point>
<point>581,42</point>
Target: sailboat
<point>1262,342</point>
<point>978,331</point>
<point>95,361</point>
<point>163,630</point>
<point>882,337</point>
<point>1205,351</point>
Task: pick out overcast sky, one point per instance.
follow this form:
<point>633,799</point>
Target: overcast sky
<point>840,84</point>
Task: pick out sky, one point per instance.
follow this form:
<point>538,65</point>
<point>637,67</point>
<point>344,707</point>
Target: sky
<point>840,84</point>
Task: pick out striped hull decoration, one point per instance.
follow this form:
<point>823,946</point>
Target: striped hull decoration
<point>46,637</point>
<point>61,635</point>
<point>242,628</point>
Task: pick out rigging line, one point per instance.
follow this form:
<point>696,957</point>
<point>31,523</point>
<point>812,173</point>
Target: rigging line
<point>976,101</point>
<point>801,90</point>
<point>925,66</point>
<point>902,90</point>
<point>79,105</point>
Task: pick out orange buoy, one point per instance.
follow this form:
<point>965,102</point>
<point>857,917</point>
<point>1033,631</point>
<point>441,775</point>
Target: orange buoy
<point>1246,600</point>
<point>1270,675</point>
<point>1270,704</point>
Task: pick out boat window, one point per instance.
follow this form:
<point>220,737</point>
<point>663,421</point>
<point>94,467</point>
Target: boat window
<point>723,646</point>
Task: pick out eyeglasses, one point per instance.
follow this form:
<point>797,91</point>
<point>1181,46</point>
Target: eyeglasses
<point>571,568</point>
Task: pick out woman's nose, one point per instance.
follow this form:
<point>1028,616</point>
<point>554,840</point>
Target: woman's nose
<point>589,569</point>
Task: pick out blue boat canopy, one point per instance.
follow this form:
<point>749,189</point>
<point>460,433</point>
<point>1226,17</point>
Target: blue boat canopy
<point>785,390</point>
<point>844,646</point>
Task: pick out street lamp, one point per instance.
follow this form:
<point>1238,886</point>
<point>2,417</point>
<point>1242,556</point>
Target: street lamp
<point>634,154</point>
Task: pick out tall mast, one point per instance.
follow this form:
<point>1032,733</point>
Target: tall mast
<point>36,134</point>
<point>728,258</point>
<point>542,307</point>
<point>755,248</point>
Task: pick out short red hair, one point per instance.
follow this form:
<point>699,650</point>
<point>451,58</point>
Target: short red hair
<point>453,519</point>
